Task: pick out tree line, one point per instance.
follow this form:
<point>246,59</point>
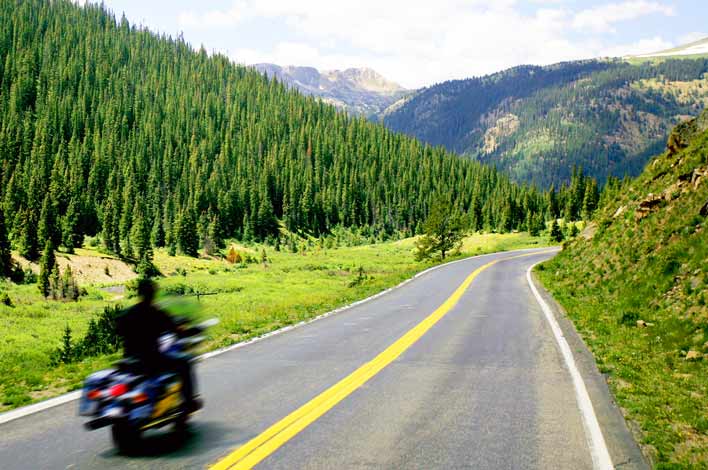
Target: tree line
<point>110,130</point>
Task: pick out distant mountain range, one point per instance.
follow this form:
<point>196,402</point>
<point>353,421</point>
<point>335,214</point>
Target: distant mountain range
<point>536,123</point>
<point>360,91</point>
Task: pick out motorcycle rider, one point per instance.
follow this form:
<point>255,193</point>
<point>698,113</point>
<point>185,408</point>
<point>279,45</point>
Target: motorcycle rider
<point>141,327</point>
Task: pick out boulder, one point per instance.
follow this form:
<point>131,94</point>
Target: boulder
<point>648,205</point>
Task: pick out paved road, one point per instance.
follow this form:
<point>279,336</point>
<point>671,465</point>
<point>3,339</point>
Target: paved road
<point>485,387</point>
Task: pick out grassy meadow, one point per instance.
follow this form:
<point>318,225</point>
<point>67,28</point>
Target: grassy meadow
<point>250,299</point>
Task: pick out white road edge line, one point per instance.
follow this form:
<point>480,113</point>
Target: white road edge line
<point>601,459</point>
<point>75,395</point>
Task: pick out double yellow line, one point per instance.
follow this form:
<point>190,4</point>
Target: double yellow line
<point>260,447</point>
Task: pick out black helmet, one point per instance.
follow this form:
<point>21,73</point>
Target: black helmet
<point>146,288</point>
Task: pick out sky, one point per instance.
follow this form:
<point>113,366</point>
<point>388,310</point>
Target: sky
<point>420,43</point>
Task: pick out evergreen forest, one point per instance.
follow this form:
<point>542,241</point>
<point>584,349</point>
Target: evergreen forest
<point>113,131</point>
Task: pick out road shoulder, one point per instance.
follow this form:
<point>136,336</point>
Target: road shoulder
<point>623,448</point>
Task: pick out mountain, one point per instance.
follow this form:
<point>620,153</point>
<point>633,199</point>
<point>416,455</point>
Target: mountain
<point>536,123</point>
<point>695,49</point>
<point>109,130</point>
<point>360,91</point>
<point>636,285</point>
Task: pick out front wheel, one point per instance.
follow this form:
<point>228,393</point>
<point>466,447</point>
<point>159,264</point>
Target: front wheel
<point>125,437</point>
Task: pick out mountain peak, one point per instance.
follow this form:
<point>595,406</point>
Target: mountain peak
<point>358,90</point>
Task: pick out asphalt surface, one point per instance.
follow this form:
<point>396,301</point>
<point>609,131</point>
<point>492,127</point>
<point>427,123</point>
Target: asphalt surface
<point>485,387</point>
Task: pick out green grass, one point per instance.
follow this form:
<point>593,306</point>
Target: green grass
<point>653,269</point>
<point>250,300</point>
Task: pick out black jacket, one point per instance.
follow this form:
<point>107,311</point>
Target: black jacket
<point>141,327</point>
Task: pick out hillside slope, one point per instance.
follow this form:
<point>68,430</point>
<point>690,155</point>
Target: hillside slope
<point>636,285</point>
<point>696,49</point>
<point>359,91</point>
<point>109,129</point>
<point>535,123</point>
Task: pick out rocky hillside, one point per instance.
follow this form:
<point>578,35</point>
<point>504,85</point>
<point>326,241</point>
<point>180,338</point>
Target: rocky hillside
<point>536,123</point>
<point>359,91</point>
<point>636,285</point>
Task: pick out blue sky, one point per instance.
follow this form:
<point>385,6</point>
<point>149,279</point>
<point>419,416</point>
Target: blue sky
<point>418,43</point>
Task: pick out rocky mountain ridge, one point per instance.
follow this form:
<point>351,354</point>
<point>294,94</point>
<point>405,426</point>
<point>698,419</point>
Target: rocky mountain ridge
<point>360,91</point>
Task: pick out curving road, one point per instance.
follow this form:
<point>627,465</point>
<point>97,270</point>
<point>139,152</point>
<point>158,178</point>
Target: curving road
<point>484,387</point>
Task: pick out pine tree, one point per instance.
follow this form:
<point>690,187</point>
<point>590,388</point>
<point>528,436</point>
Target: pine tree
<point>46,265</point>
<point>187,236</point>
<point>5,254</point>
<point>49,228</point>
<point>157,234</point>
<point>140,236</point>
<point>55,283</point>
<point>590,200</point>
<point>69,288</point>
<point>556,232</point>
<point>443,231</point>
<point>66,353</point>
<point>28,245</point>
<point>71,234</point>
<point>266,224</point>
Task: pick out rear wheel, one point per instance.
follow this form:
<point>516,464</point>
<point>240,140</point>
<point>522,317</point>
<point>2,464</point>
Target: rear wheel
<point>125,437</point>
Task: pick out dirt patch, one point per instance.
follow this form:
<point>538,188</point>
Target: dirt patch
<point>90,268</point>
<point>47,393</point>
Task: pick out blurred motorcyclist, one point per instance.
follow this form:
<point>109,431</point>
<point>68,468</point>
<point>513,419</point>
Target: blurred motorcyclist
<point>141,327</point>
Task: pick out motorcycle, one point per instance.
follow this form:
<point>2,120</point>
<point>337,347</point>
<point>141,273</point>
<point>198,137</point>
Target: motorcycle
<point>130,401</point>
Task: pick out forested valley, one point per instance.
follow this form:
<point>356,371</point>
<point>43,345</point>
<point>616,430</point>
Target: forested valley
<point>110,130</point>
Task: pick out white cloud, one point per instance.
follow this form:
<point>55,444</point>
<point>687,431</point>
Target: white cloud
<point>601,19</point>
<point>643,46</point>
<point>406,41</point>
<point>212,18</point>
<point>416,43</point>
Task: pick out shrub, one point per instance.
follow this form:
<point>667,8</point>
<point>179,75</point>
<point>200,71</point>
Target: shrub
<point>233,257</point>
<point>5,299</point>
<point>66,351</point>
<point>178,289</point>
<point>359,279</point>
<point>101,338</point>
<point>29,277</point>
<point>629,318</point>
<point>181,272</point>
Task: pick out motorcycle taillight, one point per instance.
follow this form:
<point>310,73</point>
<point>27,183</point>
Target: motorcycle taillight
<point>118,390</point>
